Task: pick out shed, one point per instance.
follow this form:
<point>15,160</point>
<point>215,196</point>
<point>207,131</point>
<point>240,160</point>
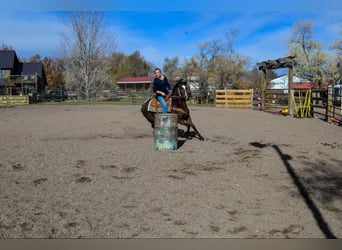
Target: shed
<point>282,82</point>
<point>140,83</point>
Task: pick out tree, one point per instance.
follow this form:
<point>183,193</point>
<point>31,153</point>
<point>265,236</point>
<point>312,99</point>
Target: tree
<point>35,59</point>
<point>336,62</point>
<point>6,47</point>
<point>119,68</point>
<point>137,64</point>
<point>196,65</point>
<point>85,47</point>
<point>170,66</point>
<point>54,73</point>
<point>131,65</point>
<point>223,67</point>
<point>310,59</point>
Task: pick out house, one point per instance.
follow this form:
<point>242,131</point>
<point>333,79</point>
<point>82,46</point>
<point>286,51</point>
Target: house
<point>18,78</point>
<point>135,84</point>
<point>191,78</point>
<point>298,83</point>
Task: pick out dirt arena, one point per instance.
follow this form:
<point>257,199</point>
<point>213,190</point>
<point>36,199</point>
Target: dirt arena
<point>93,172</point>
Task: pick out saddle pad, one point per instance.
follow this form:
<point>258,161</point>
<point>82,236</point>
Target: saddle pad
<point>155,106</point>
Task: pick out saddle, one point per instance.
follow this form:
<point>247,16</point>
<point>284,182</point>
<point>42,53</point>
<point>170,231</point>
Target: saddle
<point>155,106</point>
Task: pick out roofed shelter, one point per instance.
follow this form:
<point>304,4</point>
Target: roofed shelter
<point>285,62</point>
<point>18,78</point>
<point>138,84</point>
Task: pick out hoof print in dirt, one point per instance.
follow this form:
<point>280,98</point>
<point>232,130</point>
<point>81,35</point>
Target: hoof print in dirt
<point>191,232</point>
<point>180,222</point>
<point>26,227</point>
<point>83,179</point>
<point>237,230</point>
<point>290,232</point>
<point>128,169</point>
<point>39,181</point>
<point>18,167</point>
<point>108,166</point>
<point>177,177</point>
<point>71,225</point>
<point>214,228</point>
<point>80,164</point>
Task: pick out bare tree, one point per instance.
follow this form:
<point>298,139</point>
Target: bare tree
<point>85,47</point>
<point>225,66</point>
<point>336,62</point>
<point>197,65</point>
<point>170,66</point>
<point>310,58</point>
<point>4,46</point>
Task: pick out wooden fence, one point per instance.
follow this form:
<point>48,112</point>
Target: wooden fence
<point>334,109</point>
<point>234,98</point>
<point>275,100</point>
<point>306,103</point>
<point>13,100</point>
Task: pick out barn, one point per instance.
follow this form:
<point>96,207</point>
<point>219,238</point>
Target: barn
<point>135,84</point>
<point>18,78</point>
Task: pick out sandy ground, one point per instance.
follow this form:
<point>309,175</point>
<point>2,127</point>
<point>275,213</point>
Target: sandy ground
<point>93,172</point>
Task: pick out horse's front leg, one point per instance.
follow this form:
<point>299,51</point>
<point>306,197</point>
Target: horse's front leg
<point>191,124</point>
<point>186,124</point>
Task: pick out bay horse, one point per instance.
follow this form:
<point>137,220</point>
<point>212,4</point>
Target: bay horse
<point>179,97</point>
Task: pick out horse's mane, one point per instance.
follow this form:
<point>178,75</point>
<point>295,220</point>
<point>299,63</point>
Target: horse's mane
<point>178,85</point>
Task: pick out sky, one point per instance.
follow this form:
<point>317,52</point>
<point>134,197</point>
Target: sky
<point>159,29</point>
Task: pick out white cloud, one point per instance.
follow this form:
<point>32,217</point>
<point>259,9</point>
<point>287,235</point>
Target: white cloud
<point>260,35</point>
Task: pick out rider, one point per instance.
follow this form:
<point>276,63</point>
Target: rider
<point>161,87</point>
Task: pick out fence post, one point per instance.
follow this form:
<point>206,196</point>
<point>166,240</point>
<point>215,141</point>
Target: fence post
<point>134,98</point>
<point>329,105</point>
<point>340,107</point>
<point>290,88</point>
<point>8,101</point>
<point>263,87</point>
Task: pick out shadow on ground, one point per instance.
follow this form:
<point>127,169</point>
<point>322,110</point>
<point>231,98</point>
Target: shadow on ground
<point>304,187</point>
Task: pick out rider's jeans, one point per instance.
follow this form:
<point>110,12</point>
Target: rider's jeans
<point>163,103</point>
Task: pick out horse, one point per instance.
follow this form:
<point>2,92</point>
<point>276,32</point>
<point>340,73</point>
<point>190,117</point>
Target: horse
<point>178,97</point>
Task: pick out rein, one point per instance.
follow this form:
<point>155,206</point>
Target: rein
<point>176,97</point>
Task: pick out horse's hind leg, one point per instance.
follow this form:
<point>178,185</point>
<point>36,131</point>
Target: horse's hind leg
<point>188,123</point>
<point>198,133</point>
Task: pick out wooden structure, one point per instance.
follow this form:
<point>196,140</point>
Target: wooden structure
<point>18,78</point>
<point>286,62</point>
<point>302,103</point>
<point>234,98</point>
<point>135,84</point>
<point>13,100</point>
<point>275,100</point>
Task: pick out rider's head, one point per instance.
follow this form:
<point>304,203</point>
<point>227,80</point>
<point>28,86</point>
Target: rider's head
<point>157,72</point>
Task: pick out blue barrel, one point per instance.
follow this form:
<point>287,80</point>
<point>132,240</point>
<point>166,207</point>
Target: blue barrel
<point>165,131</point>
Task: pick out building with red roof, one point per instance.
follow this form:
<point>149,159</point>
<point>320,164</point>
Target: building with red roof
<point>135,84</point>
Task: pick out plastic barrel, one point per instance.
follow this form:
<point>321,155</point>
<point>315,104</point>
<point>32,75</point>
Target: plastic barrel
<point>165,131</point>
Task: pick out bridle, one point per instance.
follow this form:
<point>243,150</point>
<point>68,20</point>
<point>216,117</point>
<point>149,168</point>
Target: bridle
<point>180,93</point>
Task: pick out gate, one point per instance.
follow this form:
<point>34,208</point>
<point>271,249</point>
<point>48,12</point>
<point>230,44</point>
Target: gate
<point>234,98</point>
<point>319,102</point>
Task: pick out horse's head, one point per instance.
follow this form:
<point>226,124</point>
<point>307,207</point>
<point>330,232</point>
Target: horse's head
<point>180,89</point>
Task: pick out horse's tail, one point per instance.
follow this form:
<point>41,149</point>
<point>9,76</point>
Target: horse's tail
<point>148,115</point>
